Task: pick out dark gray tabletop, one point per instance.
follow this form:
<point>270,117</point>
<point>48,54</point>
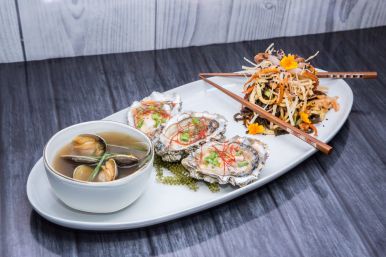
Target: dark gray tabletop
<point>327,206</point>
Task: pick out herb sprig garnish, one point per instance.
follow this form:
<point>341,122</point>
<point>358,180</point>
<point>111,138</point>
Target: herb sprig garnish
<point>98,167</point>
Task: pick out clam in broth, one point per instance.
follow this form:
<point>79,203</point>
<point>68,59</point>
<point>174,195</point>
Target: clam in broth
<point>122,155</point>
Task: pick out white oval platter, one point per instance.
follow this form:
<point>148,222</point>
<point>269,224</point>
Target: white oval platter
<point>162,203</point>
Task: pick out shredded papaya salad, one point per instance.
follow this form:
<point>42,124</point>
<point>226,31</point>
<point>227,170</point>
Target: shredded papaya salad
<point>287,87</point>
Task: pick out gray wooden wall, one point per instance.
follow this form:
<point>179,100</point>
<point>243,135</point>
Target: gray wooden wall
<point>41,29</point>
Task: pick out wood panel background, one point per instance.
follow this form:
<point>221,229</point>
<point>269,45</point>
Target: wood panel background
<point>184,23</point>
<point>56,28</point>
<point>62,28</point>
<point>10,44</point>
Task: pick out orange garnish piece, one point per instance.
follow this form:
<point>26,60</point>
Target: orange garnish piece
<point>288,62</point>
<point>305,118</point>
<point>255,128</point>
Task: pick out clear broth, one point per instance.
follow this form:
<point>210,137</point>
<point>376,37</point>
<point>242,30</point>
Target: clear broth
<point>66,167</point>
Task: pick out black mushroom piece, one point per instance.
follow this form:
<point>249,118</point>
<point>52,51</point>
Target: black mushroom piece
<point>315,118</point>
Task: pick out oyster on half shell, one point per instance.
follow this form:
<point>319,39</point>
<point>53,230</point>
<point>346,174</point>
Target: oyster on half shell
<point>185,132</point>
<point>237,161</point>
<point>151,113</point>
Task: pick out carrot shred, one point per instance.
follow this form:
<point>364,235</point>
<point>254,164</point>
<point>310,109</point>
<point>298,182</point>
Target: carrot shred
<point>249,90</point>
<point>281,93</point>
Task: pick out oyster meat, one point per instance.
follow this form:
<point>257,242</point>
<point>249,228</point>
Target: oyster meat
<point>185,132</point>
<point>237,161</point>
<point>151,113</point>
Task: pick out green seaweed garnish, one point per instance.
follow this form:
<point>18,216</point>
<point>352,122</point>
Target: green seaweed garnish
<point>180,176</point>
<point>214,187</point>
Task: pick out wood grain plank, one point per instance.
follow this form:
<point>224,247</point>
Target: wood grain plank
<point>10,42</point>
<point>22,133</point>
<point>368,115</point>
<point>326,226</point>
<point>130,76</point>
<point>67,28</point>
<point>227,231</point>
<point>72,28</point>
<point>183,23</point>
<point>362,13</point>
<point>186,23</point>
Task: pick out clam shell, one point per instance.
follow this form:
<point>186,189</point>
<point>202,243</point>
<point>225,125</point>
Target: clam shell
<point>84,149</point>
<point>82,172</point>
<point>106,174</point>
<point>124,160</point>
<point>81,159</point>
<point>173,109</point>
<point>259,149</point>
<point>172,152</point>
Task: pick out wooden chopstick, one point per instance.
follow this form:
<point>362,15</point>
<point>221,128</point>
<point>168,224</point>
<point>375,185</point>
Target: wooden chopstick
<point>323,147</point>
<point>348,75</point>
<point>332,75</point>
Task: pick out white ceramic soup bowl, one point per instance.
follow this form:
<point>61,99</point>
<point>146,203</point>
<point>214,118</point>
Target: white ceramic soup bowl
<point>96,197</point>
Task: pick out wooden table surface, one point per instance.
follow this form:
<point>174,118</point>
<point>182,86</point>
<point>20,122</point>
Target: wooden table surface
<point>327,206</point>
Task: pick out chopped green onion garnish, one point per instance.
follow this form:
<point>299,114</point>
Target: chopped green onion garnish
<point>140,123</point>
<point>242,164</point>
<point>195,120</point>
<point>156,116</point>
<point>157,123</point>
<point>185,137</point>
<point>212,159</point>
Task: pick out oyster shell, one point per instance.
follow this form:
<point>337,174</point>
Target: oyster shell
<point>185,132</point>
<point>151,113</point>
<point>237,161</point>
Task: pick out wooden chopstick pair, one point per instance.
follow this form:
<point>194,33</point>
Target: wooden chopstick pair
<point>321,146</point>
<point>332,75</point>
